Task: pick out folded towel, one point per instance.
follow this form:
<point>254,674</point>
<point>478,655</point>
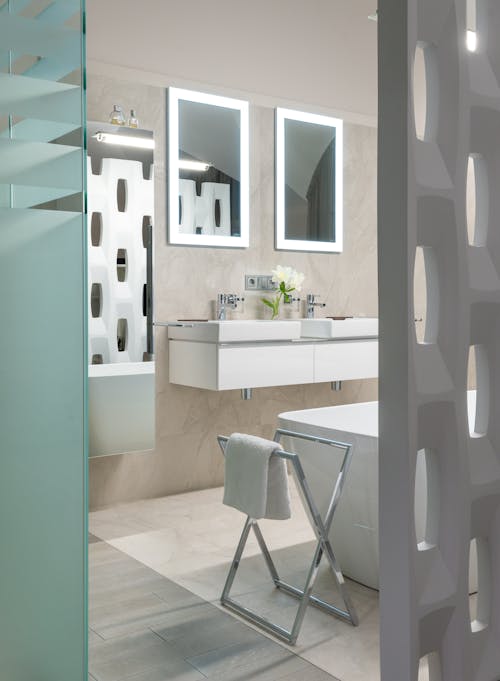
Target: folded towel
<point>256,482</point>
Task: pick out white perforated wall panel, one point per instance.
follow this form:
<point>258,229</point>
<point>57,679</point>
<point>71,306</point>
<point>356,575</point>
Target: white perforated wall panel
<point>429,628</point>
<point>116,225</point>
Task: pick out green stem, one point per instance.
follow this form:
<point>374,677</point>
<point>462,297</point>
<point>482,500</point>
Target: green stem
<point>276,305</point>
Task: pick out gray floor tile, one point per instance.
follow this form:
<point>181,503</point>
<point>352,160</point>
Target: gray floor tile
<point>179,671</point>
<point>209,630</point>
<point>127,615</point>
<point>117,659</point>
<point>310,673</point>
<point>291,669</point>
<point>249,657</point>
<point>147,628</point>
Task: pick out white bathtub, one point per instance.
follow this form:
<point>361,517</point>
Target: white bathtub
<point>354,531</point>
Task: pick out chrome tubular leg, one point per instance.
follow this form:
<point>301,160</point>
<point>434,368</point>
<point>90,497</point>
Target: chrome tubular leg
<point>339,577</point>
<point>306,593</point>
<point>265,553</point>
<point>236,560</point>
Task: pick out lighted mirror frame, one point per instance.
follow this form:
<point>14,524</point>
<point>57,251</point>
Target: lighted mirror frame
<point>175,236</point>
<point>282,243</point>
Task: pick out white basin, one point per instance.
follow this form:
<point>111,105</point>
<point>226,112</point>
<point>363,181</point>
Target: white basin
<point>355,327</point>
<point>236,331</point>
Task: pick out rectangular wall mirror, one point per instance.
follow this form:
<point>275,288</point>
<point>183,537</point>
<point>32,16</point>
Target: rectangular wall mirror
<point>309,172</point>
<point>120,192</point>
<point>208,170</point>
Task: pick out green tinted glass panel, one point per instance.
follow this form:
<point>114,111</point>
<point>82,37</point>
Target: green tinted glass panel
<point>42,342</point>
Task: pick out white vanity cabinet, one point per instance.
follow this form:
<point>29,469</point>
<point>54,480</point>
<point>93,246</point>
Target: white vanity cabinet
<point>345,360</point>
<point>220,366</point>
<point>230,366</point>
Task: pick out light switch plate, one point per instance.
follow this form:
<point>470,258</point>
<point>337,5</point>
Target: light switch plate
<point>259,282</point>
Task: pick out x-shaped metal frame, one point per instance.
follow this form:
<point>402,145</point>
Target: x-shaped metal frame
<point>321,529</point>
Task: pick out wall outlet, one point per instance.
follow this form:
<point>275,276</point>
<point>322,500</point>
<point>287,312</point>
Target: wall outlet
<point>259,282</point>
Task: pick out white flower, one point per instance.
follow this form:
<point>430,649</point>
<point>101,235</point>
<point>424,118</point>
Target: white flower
<point>287,275</point>
<point>279,274</point>
<point>297,280</point>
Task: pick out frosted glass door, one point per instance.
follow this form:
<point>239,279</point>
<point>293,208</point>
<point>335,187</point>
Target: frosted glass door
<point>42,343</point>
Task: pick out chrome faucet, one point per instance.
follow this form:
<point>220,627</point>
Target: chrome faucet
<point>224,301</point>
<point>311,304</point>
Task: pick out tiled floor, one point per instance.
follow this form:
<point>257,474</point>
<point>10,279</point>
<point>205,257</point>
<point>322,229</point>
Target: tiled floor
<point>144,627</point>
<point>190,539</point>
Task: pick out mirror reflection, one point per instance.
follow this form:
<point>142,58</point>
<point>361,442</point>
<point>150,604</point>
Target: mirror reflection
<point>309,182</point>
<point>120,197</point>
<point>208,169</point>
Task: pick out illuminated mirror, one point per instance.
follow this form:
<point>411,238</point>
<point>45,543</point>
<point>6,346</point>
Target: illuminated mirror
<point>309,197</point>
<point>208,174</point>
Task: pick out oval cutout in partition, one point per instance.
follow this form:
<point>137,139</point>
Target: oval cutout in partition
<point>122,335</point>
<point>478,402</point>
<point>480,603</point>
<point>217,212</point>
<point>429,668</point>
<point>96,229</point>
<point>471,32</point>
<point>146,224</point>
<point>425,92</point>
<point>96,300</point>
<point>477,200</point>
<point>121,195</point>
<point>121,264</point>
<point>427,499</point>
<point>426,295</point>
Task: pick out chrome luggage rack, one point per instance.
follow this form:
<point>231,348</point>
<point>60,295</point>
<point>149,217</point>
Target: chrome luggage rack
<point>321,529</point>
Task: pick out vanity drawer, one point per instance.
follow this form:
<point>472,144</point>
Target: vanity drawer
<point>345,361</point>
<point>258,367</point>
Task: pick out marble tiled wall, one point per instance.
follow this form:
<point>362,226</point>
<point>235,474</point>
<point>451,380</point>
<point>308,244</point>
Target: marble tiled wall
<point>187,280</point>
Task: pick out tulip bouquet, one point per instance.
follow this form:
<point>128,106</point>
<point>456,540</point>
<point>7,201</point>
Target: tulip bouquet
<point>287,280</point>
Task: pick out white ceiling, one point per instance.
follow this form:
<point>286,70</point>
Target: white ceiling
<point>322,53</point>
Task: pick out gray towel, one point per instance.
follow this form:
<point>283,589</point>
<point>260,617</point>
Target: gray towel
<point>256,482</point>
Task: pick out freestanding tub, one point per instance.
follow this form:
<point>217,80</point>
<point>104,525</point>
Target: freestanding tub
<point>354,532</point>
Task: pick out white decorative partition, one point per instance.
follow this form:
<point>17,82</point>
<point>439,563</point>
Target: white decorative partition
<point>439,190</point>
<point>120,200</point>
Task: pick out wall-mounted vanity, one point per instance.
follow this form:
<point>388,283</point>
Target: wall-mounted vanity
<point>246,354</point>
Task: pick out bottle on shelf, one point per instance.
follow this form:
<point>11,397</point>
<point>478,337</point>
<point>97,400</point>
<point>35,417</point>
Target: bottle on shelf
<point>116,117</point>
<point>133,121</point>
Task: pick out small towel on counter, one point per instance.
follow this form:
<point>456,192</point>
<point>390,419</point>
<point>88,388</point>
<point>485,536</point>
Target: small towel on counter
<point>255,481</point>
